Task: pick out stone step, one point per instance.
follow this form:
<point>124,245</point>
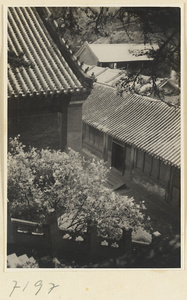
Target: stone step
<point>115,180</point>
<point>118,186</point>
<point>14,261</point>
<point>23,259</point>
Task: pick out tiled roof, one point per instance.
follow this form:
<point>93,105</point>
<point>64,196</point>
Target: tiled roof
<point>170,82</point>
<point>104,75</point>
<point>148,124</point>
<point>44,69</point>
<point>110,77</point>
<point>119,52</point>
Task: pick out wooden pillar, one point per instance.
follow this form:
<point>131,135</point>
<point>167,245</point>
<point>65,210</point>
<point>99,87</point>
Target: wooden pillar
<point>168,185</point>
<point>156,239</point>
<point>11,230</point>
<point>62,121</point>
<point>105,147</point>
<point>170,189</point>
<point>159,162</point>
<point>133,160</point>
<point>54,236</point>
<point>92,240</point>
<point>124,158</point>
<point>74,125</point>
<point>127,240</point>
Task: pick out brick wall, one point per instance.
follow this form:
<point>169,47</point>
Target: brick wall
<point>54,122</point>
<point>38,131</point>
<point>41,122</point>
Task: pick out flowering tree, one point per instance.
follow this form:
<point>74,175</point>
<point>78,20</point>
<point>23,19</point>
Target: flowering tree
<point>44,181</point>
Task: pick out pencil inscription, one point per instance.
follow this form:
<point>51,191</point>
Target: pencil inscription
<point>38,284</point>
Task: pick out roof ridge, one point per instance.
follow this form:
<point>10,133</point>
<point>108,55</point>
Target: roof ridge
<point>43,68</point>
<point>65,50</point>
<point>105,85</point>
<point>147,98</point>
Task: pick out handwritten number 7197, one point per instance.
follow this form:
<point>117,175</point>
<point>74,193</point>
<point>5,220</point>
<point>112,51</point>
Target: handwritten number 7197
<point>38,284</point>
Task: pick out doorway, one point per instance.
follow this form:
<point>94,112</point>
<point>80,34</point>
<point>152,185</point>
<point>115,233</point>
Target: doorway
<point>117,156</point>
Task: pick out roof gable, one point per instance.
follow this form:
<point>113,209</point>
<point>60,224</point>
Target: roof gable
<point>43,69</point>
<point>145,123</point>
<point>87,49</point>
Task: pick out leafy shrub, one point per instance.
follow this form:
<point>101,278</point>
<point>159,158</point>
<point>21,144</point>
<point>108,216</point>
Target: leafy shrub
<point>41,182</point>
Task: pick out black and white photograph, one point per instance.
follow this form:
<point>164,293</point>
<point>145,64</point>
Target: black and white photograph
<point>94,137</point>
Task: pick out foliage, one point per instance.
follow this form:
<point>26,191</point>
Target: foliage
<point>139,84</point>
<point>17,61</point>
<point>75,18</point>
<point>41,182</point>
<point>21,190</point>
<point>160,25</point>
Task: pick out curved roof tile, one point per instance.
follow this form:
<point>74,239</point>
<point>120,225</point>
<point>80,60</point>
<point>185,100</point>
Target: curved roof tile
<point>42,68</point>
<point>148,124</point>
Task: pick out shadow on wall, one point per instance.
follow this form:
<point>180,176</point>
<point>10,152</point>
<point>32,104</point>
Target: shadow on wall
<point>39,131</point>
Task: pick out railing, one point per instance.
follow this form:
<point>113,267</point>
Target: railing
<point>28,227</point>
<point>73,243</point>
<point>32,234</point>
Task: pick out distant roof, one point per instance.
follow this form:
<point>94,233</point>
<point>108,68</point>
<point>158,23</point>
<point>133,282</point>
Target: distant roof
<point>104,75</point>
<point>110,77</point>
<point>43,69</point>
<point>148,124</point>
<point>119,52</point>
